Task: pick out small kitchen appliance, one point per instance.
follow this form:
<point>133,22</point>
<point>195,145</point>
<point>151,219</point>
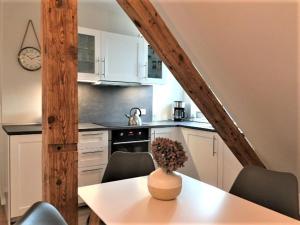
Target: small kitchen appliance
<point>134,117</point>
<point>179,111</point>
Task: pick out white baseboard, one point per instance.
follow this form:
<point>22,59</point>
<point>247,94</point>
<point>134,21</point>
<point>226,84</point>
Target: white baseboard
<point>299,201</point>
<point>2,199</point>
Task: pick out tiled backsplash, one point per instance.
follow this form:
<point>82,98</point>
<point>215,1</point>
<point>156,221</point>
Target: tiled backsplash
<point>109,103</point>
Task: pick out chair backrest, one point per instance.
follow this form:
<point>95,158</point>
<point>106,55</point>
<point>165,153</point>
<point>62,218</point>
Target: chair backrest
<point>275,190</point>
<point>42,213</point>
<point>125,165</point>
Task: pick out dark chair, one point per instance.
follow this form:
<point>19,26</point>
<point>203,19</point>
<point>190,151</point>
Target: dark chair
<point>275,190</point>
<point>125,165</point>
<point>42,213</point>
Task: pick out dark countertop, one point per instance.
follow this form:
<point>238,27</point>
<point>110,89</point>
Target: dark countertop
<point>23,129</point>
<point>162,124</point>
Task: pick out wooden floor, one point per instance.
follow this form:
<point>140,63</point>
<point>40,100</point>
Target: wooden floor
<point>2,216</point>
<point>83,214</point>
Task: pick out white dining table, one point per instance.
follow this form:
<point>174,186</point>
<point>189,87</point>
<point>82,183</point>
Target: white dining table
<point>129,202</point>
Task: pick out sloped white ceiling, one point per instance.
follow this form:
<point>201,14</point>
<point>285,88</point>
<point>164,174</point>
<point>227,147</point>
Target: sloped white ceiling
<point>247,52</point>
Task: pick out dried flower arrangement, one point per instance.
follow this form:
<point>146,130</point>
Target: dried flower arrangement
<point>168,154</point>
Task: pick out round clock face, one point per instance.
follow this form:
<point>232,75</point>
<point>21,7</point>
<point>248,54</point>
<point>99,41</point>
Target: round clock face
<point>30,58</point>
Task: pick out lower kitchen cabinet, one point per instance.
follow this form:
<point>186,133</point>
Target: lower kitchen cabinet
<point>90,175</point>
<point>25,172</point>
<point>166,132</point>
<point>229,167</point>
<point>25,167</point>
<point>92,158</point>
<point>204,152</point>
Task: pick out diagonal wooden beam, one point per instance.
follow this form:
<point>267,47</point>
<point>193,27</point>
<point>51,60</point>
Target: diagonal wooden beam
<point>153,28</point>
<point>60,106</point>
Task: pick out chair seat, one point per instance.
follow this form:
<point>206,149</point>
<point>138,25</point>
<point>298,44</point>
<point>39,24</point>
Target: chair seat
<point>42,213</point>
<point>275,190</point>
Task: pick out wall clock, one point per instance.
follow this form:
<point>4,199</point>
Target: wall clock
<point>30,57</point>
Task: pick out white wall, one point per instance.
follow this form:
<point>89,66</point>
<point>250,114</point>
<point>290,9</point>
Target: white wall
<point>247,53</point>
<point>165,95</point>
<point>21,90</point>
<point>105,15</point>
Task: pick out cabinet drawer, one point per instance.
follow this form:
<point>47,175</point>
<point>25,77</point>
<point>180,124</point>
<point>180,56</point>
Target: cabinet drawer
<point>99,138</point>
<point>89,176</point>
<point>93,157</point>
<point>91,147</point>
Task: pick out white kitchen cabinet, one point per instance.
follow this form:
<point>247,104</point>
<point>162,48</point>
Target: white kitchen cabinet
<point>92,148</point>
<point>90,175</point>
<point>174,133</point>
<point>229,167</point>
<point>89,60</point>
<point>25,172</point>
<point>120,57</point>
<point>166,132</point>
<point>151,68</point>
<point>203,149</point>
<point>25,166</point>
<point>93,157</point>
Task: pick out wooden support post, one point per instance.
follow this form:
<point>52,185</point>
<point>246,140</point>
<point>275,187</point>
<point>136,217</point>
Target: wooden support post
<point>153,28</point>
<point>60,106</point>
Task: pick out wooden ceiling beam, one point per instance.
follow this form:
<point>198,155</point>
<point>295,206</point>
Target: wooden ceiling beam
<point>153,28</point>
<point>60,106</point>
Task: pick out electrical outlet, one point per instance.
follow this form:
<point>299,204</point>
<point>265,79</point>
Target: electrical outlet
<point>143,111</point>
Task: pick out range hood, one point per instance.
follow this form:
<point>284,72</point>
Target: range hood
<point>116,83</point>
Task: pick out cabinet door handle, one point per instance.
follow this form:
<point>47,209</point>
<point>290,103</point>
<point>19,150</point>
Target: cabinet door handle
<point>146,71</point>
<point>214,147</point>
<point>91,134</point>
<point>137,64</point>
<point>98,66</point>
<point>130,142</point>
<point>104,65</point>
<point>91,170</point>
<point>94,152</point>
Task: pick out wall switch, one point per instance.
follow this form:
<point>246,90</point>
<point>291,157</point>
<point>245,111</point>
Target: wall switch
<point>143,111</point>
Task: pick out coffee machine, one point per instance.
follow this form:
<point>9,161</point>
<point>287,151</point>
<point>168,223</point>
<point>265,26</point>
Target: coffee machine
<point>179,111</point>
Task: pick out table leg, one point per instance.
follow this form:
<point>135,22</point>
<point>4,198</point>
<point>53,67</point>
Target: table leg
<point>94,219</point>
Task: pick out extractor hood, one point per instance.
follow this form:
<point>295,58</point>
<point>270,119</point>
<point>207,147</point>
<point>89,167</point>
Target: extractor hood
<point>116,83</point>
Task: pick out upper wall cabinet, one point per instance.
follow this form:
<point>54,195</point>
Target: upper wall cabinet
<point>150,65</point>
<point>110,58</point>
<point>89,65</point>
<point>120,57</point>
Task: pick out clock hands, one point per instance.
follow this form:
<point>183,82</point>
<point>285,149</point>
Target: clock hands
<point>31,58</point>
<point>35,57</point>
<point>28,57</point>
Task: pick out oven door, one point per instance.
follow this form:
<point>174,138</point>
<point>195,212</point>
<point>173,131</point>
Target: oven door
<point>130,146</point>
